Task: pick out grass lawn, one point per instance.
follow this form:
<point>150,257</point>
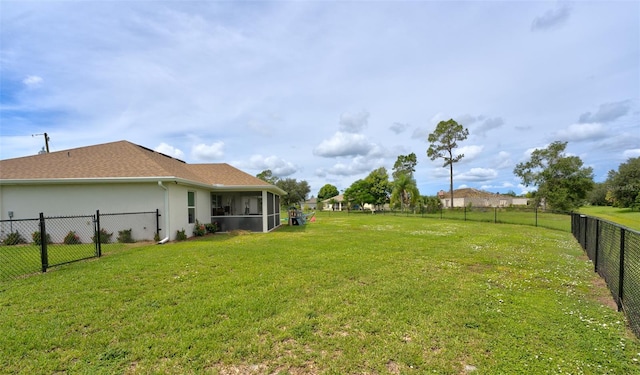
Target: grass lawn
<point>366,294</point>
<point>622,216</point>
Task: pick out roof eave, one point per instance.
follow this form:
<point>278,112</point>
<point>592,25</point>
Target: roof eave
<point>271,188</point>
<point>92,180</point>
<point>115,180</point>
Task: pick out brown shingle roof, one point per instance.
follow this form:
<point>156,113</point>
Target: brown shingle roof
<point>225,174</point>
<point>120,159</point>
<point>471,193</point>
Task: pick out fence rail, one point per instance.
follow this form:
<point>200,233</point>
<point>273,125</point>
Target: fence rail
<point>615,253</point>
<point>28,246</point>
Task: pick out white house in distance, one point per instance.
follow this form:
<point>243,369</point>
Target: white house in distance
<point>125,177</point>
<point>336,203</point>
<point>479,198</point>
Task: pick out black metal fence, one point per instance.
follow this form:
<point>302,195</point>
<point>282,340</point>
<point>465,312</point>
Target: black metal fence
<point>29,246</point>
<point>615,252</point>
<point>507,215</point>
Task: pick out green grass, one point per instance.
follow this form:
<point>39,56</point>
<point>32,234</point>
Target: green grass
<point>25,259</point>
<point>622,216</point>
<point>347,294</point>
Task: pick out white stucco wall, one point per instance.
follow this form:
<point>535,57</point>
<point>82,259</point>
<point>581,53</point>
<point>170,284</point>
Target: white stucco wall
<point>178,208</point>
<point>56,200</point>
<point>28,201</point>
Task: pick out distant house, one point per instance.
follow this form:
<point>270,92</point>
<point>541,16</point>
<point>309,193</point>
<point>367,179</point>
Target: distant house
<point>125,177</point>
<point>309,204</point>
<point>336,203</point>
<point>479,198</point>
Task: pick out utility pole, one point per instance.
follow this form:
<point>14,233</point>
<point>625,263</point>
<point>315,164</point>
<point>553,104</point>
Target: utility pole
<point>46,140</point>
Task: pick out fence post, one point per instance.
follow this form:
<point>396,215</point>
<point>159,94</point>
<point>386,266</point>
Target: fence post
<point>595,255</point>
<point>585,228</point>
<point>536,210</point>
<point>465,213</point>
<point>621,273</point>
<point>44,257</point>
<point>495,215</point>
<point>98,239</point>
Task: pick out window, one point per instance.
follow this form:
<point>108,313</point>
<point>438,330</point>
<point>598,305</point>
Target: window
<point>191,206</point>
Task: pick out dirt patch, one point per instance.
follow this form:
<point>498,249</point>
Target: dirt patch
<point>239,232</point>
<point>600,292</point>
<point>393,367</point>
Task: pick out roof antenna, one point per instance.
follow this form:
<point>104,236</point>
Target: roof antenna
<point>46,140</point>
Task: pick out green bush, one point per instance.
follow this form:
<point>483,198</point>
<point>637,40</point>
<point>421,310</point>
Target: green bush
<point>181,235</point>
<point>211,227</point>
<point>124,236</point>
<point>72,238</point>
<point>199,229</point>
<point>37,238</point>
<point>14,238</point>
<point>104,236</point>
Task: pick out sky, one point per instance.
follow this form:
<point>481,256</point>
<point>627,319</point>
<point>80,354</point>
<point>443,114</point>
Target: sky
<point>326,91</point>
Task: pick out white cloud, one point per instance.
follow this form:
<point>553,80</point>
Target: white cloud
<point>214,151</point>
<point>279,167</point>
<point>582,132</point>
<point>344,144</point>
<point>477,175</point>
<point>502,160</point>
<point>169,150</point>
<point>358,165</point>
<point>470,152</point>
<point>633,153</point>
<point>32,81</point>
<point>440,172</point>
<point>354,122</point>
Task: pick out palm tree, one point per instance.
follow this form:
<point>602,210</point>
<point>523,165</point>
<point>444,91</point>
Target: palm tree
<point>405,191</point>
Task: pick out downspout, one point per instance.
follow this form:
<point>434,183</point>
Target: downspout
<point>166,213</point>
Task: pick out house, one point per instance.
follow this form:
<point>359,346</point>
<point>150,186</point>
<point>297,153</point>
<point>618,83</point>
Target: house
<point>309,204</point>
<point>336,203</point>
<point>126,177</point>
<point>479,198</point>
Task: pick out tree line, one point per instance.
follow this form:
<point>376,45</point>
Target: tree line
<point>562,182</point>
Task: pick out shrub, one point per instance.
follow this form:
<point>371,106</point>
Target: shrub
<point>156,237</point>
<point>72,238</point>
<point>181,235</point>
<point>14,238</point>
<point>37,238</point>
<point>104,236</point>
<point>124,236</point>
<point>211,227</point>
<point>199,229</point>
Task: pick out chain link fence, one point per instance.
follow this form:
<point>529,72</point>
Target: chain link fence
<point>615,253</point>
<point>19,251</point>
<point>29,246</point>
<point>506,215</point>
